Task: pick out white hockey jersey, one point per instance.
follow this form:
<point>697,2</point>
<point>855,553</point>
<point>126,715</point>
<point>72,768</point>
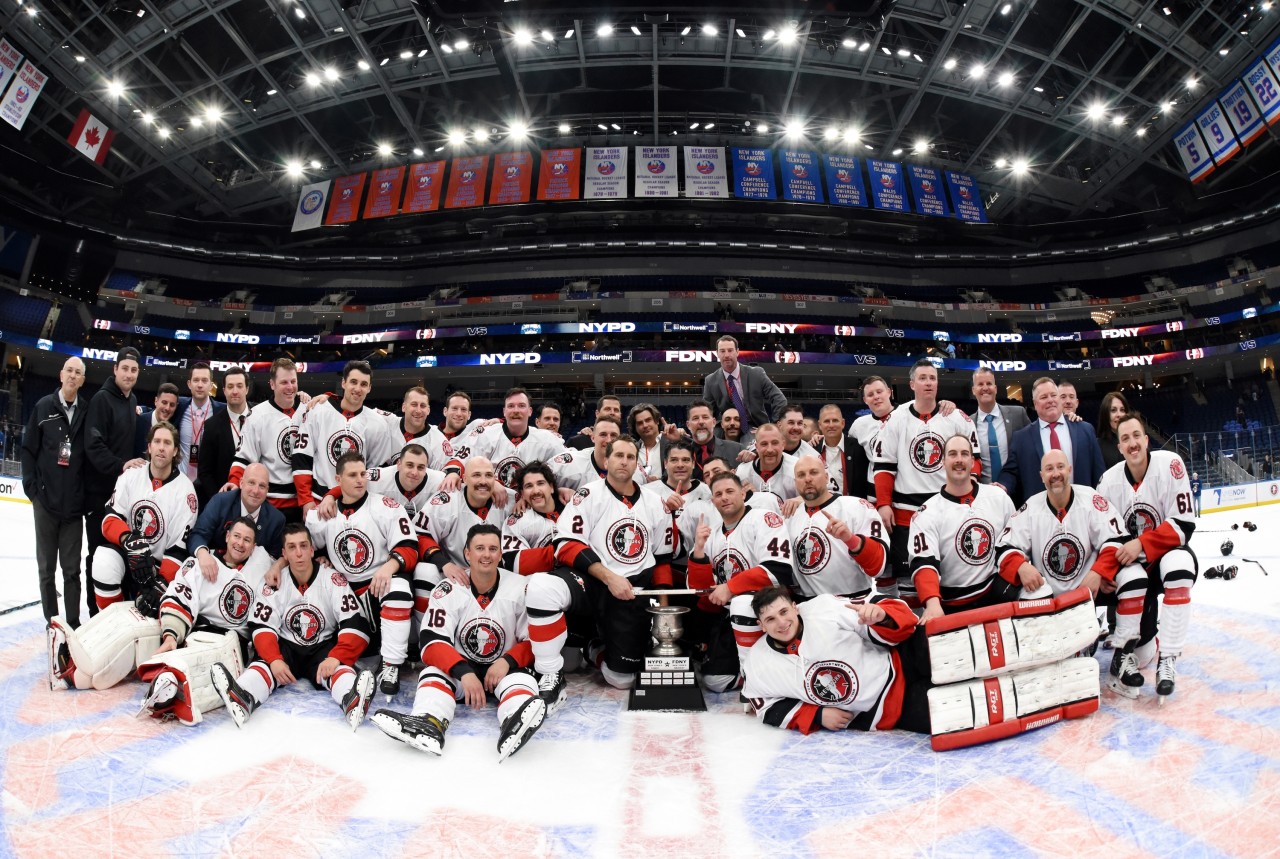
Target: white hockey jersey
<point>866,432</point>
<point>1065,548</point>
<point>324,615</point>
<point>825,565</point>
<point>507,453</point>
<point>1158,511</point>
<point>781,481</point>
<point>443,523</point>
<point>528,542</point>
<point>910,451</point>
<point>160,513</point>
<point>325,433</point>
<point>191,603</point>
<point>576,468</point>
<point>758,540</point>
<point>362,537</point>
<point>952,543</point>
<point>687,516</point>
<point>480,628</point>
<point>629,534</point>
<point>386,481</point>
<point>270,436</point>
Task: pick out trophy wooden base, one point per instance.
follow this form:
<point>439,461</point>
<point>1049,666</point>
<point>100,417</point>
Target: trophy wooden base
<point>667,683</point>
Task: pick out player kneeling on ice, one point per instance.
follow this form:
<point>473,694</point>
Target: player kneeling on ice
<point>475,641</point>
<point>836,664</point>
<point>309,626</point>
<point>204,621</point>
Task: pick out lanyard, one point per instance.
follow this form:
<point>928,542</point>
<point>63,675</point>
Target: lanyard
<point>197,430</point>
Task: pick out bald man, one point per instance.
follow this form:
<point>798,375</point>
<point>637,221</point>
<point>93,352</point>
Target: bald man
<point>210,532</point>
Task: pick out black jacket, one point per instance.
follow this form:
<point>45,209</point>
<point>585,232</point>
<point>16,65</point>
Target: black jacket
<point>217,450</point>
<point>108,435</point>
<point>59,488</point>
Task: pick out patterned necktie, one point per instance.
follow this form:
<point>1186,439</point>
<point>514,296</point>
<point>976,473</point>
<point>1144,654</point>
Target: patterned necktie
<point>738,404</point>
<point>993,445</point>
<point>1053,436</point>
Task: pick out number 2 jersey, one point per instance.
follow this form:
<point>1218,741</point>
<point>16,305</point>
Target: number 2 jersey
<point>464,625</point>
<point>629,534</point>
<point>825,565</point>
<point>362,536</point>
<point>191,603</point>
<point>161,512</point>
<point>1158,510</point>
<point>953,543</point>
<point>322,614</point>
<point>909,460</point>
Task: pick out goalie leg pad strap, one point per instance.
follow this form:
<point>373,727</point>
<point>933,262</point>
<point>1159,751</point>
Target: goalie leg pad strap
<point>108,647</point>
<point>986,642</point>
<point>980,711</point>
<point>192,664</point>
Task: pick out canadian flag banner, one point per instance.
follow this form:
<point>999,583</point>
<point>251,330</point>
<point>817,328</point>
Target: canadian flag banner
<point>91,137</point>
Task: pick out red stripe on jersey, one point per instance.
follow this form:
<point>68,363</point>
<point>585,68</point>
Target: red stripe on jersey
<point>522,653</point>
<point>169,569</point>
<point>903,517</point>
<point>237,471</point>
<point>394,612</point>
<point>808,718</point>
<point>569,552</point>
<point>891,710</point>
<point>928,585</point>
<point>267,644</point>
<point>749,581</point>
<point>662,575</point>
<point>995,643</point>
<point>442,655</point>
<point>542,560</point>
<point>745,639</point>
<point>408,555</point>
<point>903,619</point>
<point>870,556</point>
<point>514,693</point>
<point>264,673</point>
<point>700,575</point>
<point>177,608</point>
<point>884,489</point>
<point>995,700</point>
<point>349,647</point>
<point>547,630</point>
<point>302,483</point>
<point>1177,596</point>
<point>420,604</point>
<point>1107,566</point>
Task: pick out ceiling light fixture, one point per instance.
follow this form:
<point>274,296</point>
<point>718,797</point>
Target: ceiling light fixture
<point>788,35</point>
<point>1005,79</point>
<point>977,71</point>
<point>115,89</point>
<point>635,31</point>
<point>604,30</point>
<point>564,128</point>
<point>523,36</point>
<point>851,135</point>
<point>950,64</point>
<point>293,168</point>
<point>362,65</point>
<point>417,151</point>
<point>384,149</point>
<point>710,30</point>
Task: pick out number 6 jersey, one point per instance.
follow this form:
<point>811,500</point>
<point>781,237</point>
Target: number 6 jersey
<point>363,535</point>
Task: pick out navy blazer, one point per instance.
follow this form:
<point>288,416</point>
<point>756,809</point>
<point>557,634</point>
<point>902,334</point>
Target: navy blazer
<point>210,530</point>
<point>1020,473</point>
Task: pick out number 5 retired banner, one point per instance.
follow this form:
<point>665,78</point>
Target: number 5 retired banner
<point>1194,153</point>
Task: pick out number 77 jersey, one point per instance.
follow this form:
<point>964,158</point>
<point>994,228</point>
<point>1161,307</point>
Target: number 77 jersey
<point>1159,510</point>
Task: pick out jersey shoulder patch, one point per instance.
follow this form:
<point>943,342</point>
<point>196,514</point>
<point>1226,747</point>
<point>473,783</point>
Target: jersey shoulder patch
<point>391,502</point>
<point>511,520</point>
<point>338,579</point>
<point>442,590</point>
<point>1176,469</point>
<point>1101,503</point>
<point>267,590</point>
<point>192,502</point>
<point>580,496</point>
<point>440,498</point>
<point>773,520</point>
<point>564,458</point>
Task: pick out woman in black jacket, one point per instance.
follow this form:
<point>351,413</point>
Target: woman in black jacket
<point>1114,408</point>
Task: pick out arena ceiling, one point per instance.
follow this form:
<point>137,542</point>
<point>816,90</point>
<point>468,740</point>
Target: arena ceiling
<point>1063,109</point>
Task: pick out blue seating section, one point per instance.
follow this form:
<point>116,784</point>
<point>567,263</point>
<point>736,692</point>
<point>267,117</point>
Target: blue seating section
<point>23,314</point>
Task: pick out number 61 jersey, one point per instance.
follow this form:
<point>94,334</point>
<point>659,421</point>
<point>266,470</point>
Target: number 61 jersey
<point>1159,510</point>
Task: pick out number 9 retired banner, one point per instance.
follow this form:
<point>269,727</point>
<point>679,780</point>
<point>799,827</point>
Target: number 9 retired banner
<point>1194,152</point>
<point>1213,125</point>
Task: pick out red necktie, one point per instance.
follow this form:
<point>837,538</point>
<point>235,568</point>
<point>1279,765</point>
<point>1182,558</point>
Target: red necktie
<point>1053,436</point>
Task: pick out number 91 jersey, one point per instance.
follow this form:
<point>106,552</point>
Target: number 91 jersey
<point>630,534</point>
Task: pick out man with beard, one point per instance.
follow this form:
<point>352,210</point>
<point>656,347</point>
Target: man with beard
<point>837,541</point>
<point>773,470</point>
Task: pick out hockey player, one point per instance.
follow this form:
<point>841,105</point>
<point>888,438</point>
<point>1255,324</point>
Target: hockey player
<point>444,522</point>
<point>1152,494</point>
<point>309,627</point>
<point>908,464</point>
<point>410,482</point>
<point>372,543</point>
<point>739,553</point>
<point>508,446</point>
<point>335,427</point>
<point>475,643</point>
<point>837,542</point>
<point>794,441</point>
<point>835,664</point>
<point>953,539</point>
<point>146,526</point>
<point>866,429</point>
<point>687,520</point>
<point>646,425</point>
<point>613,538</point>
<point>270,437</point>
<point>528,539</point>
<point>576,468</point>
<point>773,470</point>
<point>203,622</point>
<point>678,485</point>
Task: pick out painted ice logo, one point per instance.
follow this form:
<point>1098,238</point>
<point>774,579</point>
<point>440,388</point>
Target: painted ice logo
<point>974,542</point>
<point>799,171</point>
<point>728,564</point>
<point>831,682</point>
<point>306,624</point>
<point>656,166</point>
<point>22,94</point>
<point>147,521</point>
<point>753,168</point>
<point>483,640</point>
<point>926,452</point>
<point>311,202</point>
<point>559,169</point>
<point>1141,519</point>
<point>234,602</point>
<point>606,168</point>
<point>468,176</point>
<point>355,551</point>
<point>812,550</point>
<point>627,540</point>
<point>513,171</point>
<point>1062,557</point>
<point>506,471</point>
<point>844,175</point>
<point>286,442</point>
<point>706,168</point>
<point>343,441</point>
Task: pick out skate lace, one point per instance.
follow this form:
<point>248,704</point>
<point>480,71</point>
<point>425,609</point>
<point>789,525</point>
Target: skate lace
<point>548,682</point>
<point>1165,670</point>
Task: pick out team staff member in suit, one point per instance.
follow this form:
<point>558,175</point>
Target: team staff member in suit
<point>221,438</point>
<point>995,424</point>
<point>747,389</point>
<point>226,508</point>
<point>166,406</point>
<point>53,463</point>
<point>700,428</point>
<point>108,436</point>
<point>846,461</point>
<point>1051,431</point>
<point>193,416</point>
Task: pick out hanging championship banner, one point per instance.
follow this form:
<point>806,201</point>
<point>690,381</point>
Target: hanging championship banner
<point>800,181</point>
<point>886,185</point>
<point>384,193</point>
<point>606,173</point>
<point>704,172</point>
<point>21,96</point>
<point>422,191</point>
<point>1194,152</point>
<point>753,174</point>
<point>344,204</point>
<point>559,174</point>
<point>466,182</point>
<point>966,198</point>
<point>656,174</point>
<point>926,185</point>
<point>10,58</point>
<point>309,213</point>
<point>1242,112</point>
<point>1261,80</point>
<point>512,178</point>
<point>1217,133</point>
<point>844,181</point>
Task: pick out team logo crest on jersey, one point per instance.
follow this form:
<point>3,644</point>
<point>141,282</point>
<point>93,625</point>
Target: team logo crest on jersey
<point>506,471</point>
<point>1062,557</point>
<point>440,498</point>
<point>354,551</point>
<point>580,496</point>
<point>306,624</point>
<point>728,564</point>
<point>1141,519</point>
<point>234,602</point>
<point>442,590</point>
<point>627,540</point>
<point>192,502</point>
<point>813,549</point>
<point>267,590</point>
<point>974,542</point>
<point>926,452</point>
<point>286,441</point>
<point>773,520</point>
<point>832,682</point>
<point>482,639</point>
<point>1101,503</point>
<point>1176,469</point>
<point>564,458</point>
<point>511,520</point>
<point>343,441</point>
<point>147,521</point>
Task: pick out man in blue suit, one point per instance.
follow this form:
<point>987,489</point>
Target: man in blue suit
<point>210,532</point>
<point>1021,473</point>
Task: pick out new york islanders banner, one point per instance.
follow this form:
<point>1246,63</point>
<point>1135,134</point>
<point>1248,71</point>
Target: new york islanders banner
<point>1193,151</point>
<point>704,172</point>
<point>309,213</point>
<point>1261,80</point>
<point>384,193</point>
<point>656,171</point>
<point>344,203</point>
<point>926,185</point>
<point>886,185</point>
<point>91,137</point>
<point>753,174</point>
<point>512,178</point>
<point>800,180</point>
<point>966,198</point>
<point>1217,134</point>
<point>606,173</point>
<point>560,174</point>
<point>422,191</point>
<point>1242,112</point>
<point>466,182</point>
<point>21,96</point>
<point>10,58</point>
<point>844,181</point>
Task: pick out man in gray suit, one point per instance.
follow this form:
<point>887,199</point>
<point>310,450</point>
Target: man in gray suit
<point>994,423</point>
<point>748,389</point>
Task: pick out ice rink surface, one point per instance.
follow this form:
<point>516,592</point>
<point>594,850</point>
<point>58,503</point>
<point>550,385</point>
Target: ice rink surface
<point>1198,777</point>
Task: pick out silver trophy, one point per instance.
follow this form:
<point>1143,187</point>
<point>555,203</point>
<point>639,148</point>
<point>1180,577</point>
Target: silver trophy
<point>668,626</point>
<point>667,681</point>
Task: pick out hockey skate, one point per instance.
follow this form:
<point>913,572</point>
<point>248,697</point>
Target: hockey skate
<point>60,664</point>
<point>1166,674</point>
<point>239,703</point>
<point>424,733</point>
<point>162,694</point>
<point>1126,679</point>
<point>389,680</point>
<point>551,689</point>
<point>520,726</point>
<point>355,704</point>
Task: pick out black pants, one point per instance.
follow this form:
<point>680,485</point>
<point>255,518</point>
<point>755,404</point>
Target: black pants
<point>93,539</point>
<point>59,541</point>
<point>624,625</point>
<point>917,675</point>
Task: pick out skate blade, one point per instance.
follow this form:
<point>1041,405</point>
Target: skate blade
<point>1130,692</point>
<point>391,728</point>
<point>530,723</point>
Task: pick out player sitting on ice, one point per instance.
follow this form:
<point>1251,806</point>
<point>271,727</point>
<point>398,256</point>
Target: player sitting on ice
<point>309,627</point>
<point>836,664</point>
<point>475,641</point>
<point>204,621</point>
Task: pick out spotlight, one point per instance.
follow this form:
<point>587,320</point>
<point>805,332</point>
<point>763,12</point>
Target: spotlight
<point>1117,120</point>
<point>417,151</point>
<point>293,168</point>
<point>213,114</point>
<point>849,44</point>
<point>921,146</point>
<point>977,71</point>
<point>457,137</point>
<point>694,126</point>
<point>851,135</point>
<point>1097,111</point>
<point>708,126</point>
<point>635,31</point>
<point>384,149</point>
<point>362,66</point>
<point>604,30</point>
<point>1192,84</point>
<point>1005,79</point>
<point>148,118</point>
<point>564,128</point>
<point>115,89</point>
<point>788,35</point>
<point>313,79</point>
<point>461,45</point>
<point>331,73</point>
<point>1001,163</point>
<point>518,131</point>
<point>315,165</point>
<point>405,55</point>
<point>795,128</point>
<point>547,36</point>
<point>831,133</point>
<point>710,30</point>
<point>481,134</point>
<point>687,30</point>
<point>1020,166</point>
<point>762,128</point>
<point>523,36</point>
<point>163,132</point>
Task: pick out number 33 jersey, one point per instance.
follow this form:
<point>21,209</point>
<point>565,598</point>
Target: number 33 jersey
<point>309,618</point>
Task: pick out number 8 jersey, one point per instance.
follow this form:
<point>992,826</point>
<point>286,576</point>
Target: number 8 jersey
<point>823,564</point>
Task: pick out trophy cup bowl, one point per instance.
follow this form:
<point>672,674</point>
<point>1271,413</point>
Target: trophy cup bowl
<point>668,626</point>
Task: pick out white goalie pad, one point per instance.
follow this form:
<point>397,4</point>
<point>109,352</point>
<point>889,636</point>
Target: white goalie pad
<point>190,666</point>
<point>108,647</point>
<point>979,711</point>
<point>986,642</point>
